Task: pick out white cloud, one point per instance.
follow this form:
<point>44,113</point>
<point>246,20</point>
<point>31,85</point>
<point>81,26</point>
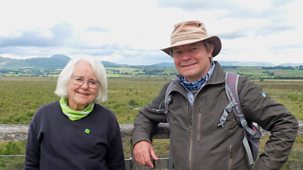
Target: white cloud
<point>132,32</point>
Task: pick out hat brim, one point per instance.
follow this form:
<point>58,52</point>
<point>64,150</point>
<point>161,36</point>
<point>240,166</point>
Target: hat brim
<point>213,39</point>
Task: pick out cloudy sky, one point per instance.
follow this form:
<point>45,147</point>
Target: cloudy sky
<point>133,31</point>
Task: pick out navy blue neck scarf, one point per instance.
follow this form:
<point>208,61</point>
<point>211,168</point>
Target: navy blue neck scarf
<point>192,86</point>
<point>196,85</point>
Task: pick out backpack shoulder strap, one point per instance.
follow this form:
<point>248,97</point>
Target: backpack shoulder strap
<point>163,106</point>
<point>231,87</point>
<point>168,99</point>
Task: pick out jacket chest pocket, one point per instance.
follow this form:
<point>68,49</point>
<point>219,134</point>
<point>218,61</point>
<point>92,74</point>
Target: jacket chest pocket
<point>178,113</point>
<point>208,123</point>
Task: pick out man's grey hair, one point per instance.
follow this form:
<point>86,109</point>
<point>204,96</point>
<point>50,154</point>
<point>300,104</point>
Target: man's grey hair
<point>67,72</point>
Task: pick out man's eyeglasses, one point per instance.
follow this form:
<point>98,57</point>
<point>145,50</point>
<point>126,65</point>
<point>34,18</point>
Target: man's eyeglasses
<point>79,80</point>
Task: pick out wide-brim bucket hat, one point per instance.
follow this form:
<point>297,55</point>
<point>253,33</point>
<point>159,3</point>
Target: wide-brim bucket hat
<point>190,32</point>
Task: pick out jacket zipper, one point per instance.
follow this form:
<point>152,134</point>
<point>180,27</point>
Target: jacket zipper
<point>199,126</point>
<point>190,149</point>
<point>191,137</point>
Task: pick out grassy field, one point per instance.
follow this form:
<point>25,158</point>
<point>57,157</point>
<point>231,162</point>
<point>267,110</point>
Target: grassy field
<point>22,96</point>
<point>267,73</point>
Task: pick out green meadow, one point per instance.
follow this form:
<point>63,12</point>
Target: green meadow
<point>22,96</point>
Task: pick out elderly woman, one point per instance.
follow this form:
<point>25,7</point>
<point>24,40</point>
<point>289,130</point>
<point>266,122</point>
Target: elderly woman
<point>76,133</point>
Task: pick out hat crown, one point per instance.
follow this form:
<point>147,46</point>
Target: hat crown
<point>189,30</point>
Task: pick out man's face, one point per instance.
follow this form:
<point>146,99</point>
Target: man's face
<point>192,60</point>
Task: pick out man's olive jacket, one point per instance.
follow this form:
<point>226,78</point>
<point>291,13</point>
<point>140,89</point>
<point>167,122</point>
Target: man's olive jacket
<point>198,143</point>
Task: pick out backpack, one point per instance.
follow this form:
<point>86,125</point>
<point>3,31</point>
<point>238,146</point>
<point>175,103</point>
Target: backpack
<point>252,133</point>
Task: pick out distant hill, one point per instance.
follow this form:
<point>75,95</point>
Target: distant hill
<point>110,64</point>
<point>58,61</point>
<point>163,65</point>
<point>242,63</point>
<point>55,62</point>
<point>51,66</point>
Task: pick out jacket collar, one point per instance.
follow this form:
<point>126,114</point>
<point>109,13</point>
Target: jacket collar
<point>218,75</point>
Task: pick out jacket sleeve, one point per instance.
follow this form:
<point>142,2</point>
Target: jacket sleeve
<point>271,116</point>
<point>149,117</point>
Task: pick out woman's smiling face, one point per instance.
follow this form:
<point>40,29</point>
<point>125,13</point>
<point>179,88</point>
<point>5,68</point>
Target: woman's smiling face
<point>79,96</point>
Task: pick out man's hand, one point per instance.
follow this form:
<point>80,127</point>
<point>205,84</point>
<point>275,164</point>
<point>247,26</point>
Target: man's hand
<point>144,154</point>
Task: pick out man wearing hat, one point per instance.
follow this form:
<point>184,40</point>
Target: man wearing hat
<point>197,100</point>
